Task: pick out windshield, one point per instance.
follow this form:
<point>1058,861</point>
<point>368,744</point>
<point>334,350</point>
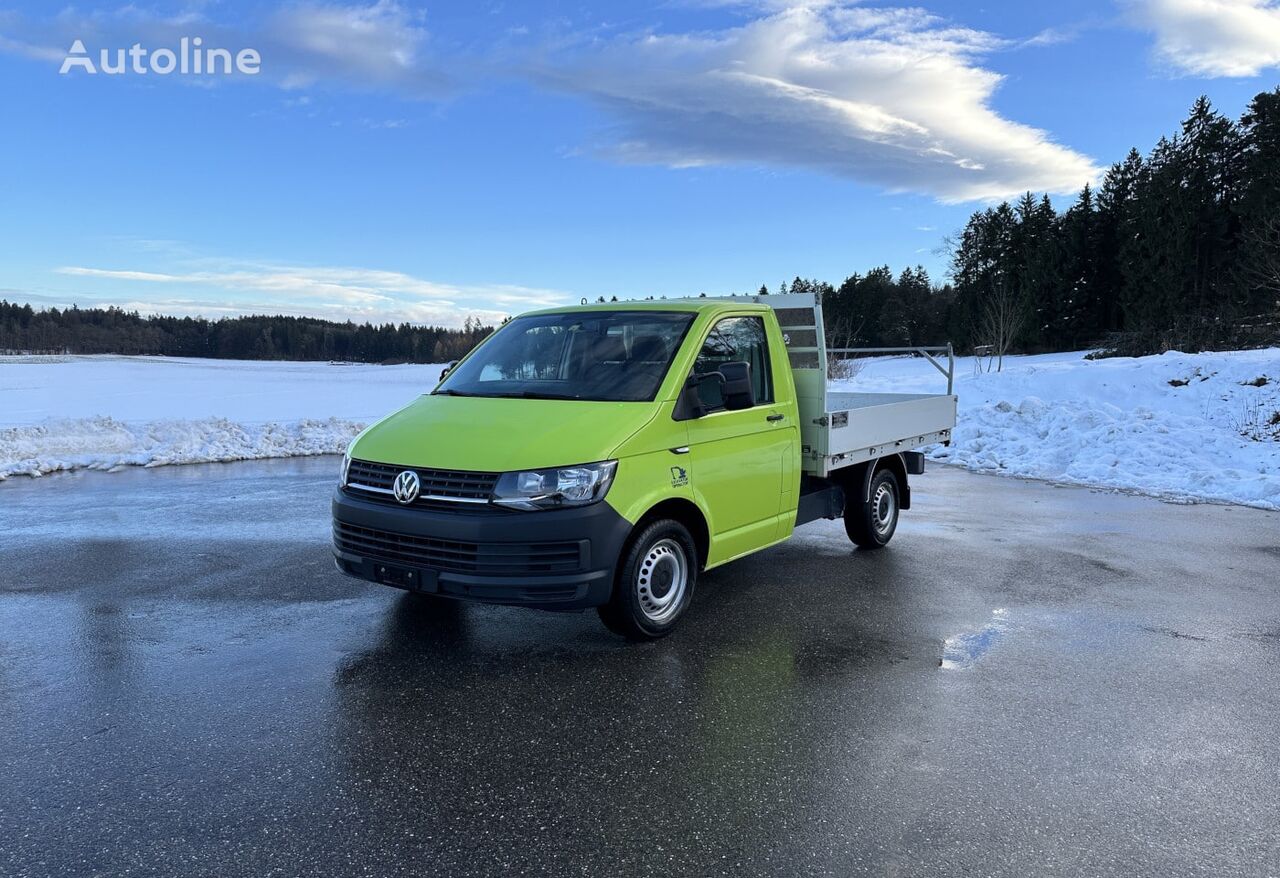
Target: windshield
<point>609,356</point>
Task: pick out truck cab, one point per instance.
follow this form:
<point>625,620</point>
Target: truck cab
<point>604,455</point>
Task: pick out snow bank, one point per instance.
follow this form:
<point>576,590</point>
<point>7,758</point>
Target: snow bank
<point>1172,425</point>
<point>60,413</point>
<point>105,443</point>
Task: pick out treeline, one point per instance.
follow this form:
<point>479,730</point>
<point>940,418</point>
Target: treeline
<point>114,331</point>
<point>1177,249</point>
<point>1180,248</point>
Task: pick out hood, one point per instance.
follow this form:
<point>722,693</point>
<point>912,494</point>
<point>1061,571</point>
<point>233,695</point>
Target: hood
<point>498,435</point>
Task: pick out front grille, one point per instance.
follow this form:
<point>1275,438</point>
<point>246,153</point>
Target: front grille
<point>462,557</point>
<point>441,489</point>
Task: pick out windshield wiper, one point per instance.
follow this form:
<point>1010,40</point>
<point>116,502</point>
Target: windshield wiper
<point>517,394</point>
<point>533,394</point>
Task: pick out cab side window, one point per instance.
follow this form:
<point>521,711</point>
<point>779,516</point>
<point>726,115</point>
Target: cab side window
<point>735,340</point>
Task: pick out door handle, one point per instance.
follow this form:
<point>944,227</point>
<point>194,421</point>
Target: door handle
<point>775,417</point>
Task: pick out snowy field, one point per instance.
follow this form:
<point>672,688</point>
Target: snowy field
<point>1172,425</point>
<point>1169,425</point>
<point>59,413</point>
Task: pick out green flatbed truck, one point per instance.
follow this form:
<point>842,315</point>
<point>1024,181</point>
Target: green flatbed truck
<point>603,455</point>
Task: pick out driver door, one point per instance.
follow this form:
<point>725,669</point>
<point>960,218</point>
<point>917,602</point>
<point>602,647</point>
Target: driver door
<point>737,458</point>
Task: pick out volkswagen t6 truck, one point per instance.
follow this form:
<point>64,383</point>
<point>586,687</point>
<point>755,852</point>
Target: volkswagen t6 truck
<point>603,456</point>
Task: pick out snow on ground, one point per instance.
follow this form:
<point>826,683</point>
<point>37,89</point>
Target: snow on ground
<point>59,413</point>
<point>1168,425</point>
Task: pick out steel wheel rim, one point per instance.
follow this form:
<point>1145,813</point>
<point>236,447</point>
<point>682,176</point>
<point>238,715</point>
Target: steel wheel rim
<point>882,508</point>
<point>661,580</point>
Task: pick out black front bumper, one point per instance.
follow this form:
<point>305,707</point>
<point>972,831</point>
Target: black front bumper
<point>560,559</point>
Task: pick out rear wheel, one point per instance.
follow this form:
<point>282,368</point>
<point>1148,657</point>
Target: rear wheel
<point>870,523</point>
<point>655,582</point>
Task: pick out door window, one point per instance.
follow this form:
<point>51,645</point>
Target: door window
<point>735,340</point>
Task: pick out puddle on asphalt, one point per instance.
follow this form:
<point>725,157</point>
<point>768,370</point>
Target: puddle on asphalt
<point>1080,632</point>
<point>963,650</point>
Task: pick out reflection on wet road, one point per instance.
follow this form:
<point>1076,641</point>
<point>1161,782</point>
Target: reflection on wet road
<point>962,650</point>
<point>1031,680</point>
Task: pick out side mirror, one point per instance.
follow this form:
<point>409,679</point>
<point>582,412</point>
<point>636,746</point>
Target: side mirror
<point>689,406</point>
<point>737,390</point>
<point>447,369</point>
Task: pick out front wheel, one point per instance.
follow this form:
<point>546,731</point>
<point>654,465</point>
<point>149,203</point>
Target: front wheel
<point>655,582</point>
<point>871,523</point>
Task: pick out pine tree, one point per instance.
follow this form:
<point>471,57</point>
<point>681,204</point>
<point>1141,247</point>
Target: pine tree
<point>1083,307</point>
<point>1210,169</point>
<point>1031,270</point>
<point>1116,229</point>
<point>1155,256</point>
<point>983,262</point>
<point>1257,284</point>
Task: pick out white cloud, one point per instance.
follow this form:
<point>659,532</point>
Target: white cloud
<point>1052,36</point>
<point>1214,37</point>
<point>373,45</point>
<point>10,46</point>
<point>332,292</point>
<point>119,275</point>
<point>890,96</point>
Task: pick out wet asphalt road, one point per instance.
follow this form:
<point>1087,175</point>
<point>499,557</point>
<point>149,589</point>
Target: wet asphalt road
<point>1030,681</point>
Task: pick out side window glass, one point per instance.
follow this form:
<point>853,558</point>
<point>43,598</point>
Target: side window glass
<point>735,340</point>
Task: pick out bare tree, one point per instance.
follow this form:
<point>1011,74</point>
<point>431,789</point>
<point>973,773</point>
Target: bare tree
<point>1003,313</point>
<point>843,334</point>
<point>843,369</point>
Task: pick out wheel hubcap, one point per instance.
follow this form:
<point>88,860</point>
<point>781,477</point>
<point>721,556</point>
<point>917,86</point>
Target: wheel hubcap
<point>661,580</point>
<point>882,509</point>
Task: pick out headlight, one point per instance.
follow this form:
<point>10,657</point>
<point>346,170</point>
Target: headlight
<point>346,466</point>
<point>555,488</point>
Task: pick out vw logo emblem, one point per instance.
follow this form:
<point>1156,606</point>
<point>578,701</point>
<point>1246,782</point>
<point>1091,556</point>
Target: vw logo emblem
<point>406,486</point>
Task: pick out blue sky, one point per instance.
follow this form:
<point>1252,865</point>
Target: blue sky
<point>424,162</point>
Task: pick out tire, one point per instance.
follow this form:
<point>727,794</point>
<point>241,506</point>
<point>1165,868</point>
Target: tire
<point>655,582</point>
<point>871,523</point>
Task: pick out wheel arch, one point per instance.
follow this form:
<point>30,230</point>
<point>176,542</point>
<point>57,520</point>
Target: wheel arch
<point>858,482</point>
<point>687,513</point>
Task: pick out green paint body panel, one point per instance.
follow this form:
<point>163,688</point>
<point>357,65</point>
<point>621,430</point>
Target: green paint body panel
<point>497,435</point>
<point>742,470</point>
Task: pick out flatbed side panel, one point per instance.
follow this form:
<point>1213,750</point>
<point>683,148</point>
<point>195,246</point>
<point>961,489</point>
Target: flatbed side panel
<point>869,431</point>
<point>828,467</point>
<point>886,423</point>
